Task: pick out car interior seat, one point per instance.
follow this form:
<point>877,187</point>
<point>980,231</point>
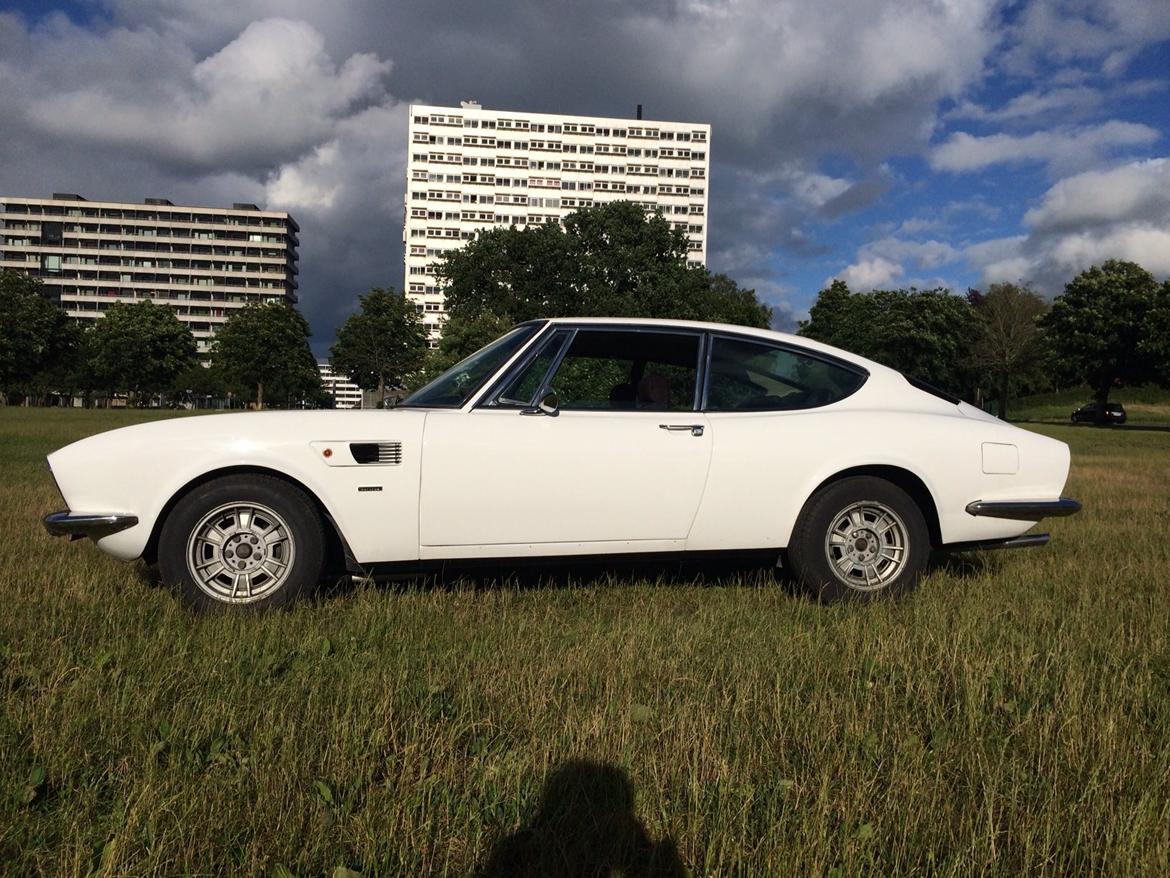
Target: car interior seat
<point>654,392</point>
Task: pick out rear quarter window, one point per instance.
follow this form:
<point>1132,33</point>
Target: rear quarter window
<point>757,376</point>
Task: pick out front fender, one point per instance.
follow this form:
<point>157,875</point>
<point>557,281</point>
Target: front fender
<point>140,470</point>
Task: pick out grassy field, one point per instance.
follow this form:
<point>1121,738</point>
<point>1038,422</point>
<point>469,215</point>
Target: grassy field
<point>1012,717</point>
<point>1143,405</point>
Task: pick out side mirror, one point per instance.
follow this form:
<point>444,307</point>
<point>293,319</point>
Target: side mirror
<point>547,405</point>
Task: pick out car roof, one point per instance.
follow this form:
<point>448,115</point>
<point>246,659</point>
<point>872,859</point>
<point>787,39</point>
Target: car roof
<point>765,334</point>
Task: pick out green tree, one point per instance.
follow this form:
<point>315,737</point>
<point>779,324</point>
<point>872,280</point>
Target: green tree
<point>33,332</point>
<point>65,366</point>
<point>610,260</point>
<point>1104,328</point>
<point>461,336</point>
<point>381,344</point>
<point>1157,341</point>
<point>265,347</point>
<point>195,384</point>
<point>924,333</point>
<point>1009,347</point>
<point>140,348</point>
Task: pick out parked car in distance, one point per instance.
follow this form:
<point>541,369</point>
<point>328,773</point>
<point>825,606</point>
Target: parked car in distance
<point>576,437</point>
<point>1089,414</point>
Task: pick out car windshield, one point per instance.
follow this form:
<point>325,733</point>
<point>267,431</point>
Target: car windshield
<point>458,384</point>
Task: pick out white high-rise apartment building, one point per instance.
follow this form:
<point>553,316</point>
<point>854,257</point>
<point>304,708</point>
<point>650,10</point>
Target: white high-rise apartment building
<point>471,168</point>
<point>346,394</point>
<point>202,262</point>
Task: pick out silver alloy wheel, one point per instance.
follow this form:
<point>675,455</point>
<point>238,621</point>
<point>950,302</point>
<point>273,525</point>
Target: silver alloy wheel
<point>866,545</point>
<point>240,552</point>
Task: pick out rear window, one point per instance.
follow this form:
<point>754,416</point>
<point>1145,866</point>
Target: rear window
<point>926,387</point>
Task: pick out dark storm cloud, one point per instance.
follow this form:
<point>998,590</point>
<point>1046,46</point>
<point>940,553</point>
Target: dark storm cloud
<point>857,197</point>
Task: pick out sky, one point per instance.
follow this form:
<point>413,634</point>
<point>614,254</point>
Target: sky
<point>888,143</point>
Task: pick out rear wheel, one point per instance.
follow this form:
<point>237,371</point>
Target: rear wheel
<point>858,539</point>
<point>245,540</point>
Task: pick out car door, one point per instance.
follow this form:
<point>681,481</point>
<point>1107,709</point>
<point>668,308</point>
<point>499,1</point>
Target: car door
<point>769,408</point>
<point>620,465</point>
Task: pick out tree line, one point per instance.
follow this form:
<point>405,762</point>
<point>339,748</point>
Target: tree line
<point>1110,326</point>
<point>143,353</point>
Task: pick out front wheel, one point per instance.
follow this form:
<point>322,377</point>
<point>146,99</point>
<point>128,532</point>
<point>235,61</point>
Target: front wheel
<point>858,539</point>
<point>244,540</point>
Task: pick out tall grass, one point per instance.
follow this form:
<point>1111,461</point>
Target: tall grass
<point>1012,717</point>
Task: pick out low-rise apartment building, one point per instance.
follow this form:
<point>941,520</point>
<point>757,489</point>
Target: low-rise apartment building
<point>201,261</point>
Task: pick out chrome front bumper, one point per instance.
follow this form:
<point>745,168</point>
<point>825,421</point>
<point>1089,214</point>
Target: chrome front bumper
<point>1024,510</point>
<point>95,525</point>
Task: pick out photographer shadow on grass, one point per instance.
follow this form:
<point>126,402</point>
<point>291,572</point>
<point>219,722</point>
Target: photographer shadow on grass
<point>584,827</point>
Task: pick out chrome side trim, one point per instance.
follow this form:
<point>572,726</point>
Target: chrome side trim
<point>1024,542</point>
<point>1024,510</point>
<point>87,524</point>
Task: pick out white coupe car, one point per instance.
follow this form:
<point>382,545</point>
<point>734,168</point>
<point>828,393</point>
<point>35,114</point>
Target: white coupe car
<point>576,437</point>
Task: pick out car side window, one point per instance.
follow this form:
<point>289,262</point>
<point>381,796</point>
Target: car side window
<point>757,376</point>
<point>628,370</point>
<point>522,389</point>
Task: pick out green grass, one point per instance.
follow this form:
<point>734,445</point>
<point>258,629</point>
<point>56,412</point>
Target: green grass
<point>1012,717</point>
<point>1143,405</point>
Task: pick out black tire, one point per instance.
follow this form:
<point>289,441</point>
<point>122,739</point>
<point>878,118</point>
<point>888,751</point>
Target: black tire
<point>812,558</point>
<point>283,538</point>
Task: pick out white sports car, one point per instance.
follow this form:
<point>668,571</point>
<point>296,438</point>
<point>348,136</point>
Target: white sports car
<point>576,437</point>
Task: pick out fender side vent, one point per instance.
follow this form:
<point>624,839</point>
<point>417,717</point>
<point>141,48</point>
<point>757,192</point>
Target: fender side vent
<point>384,453</point>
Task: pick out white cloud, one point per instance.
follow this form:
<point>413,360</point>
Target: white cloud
<point>1030,104</point>
<point>1140,190</point>
<point>1106,32</point>
<point>1066,148</point>
<point>945,218</point>
<point>347,196</point>
<point>869,274</point>
<point>1059,102</point>
<point>271,92</point>
<point>999,259</point>
<point>923,254</point>
<point>797,72</point>
<point>812,189</point>
<point>1137,242</point>
<point>1082,220</point>
<point>885,260</point>
<point>916,225</point>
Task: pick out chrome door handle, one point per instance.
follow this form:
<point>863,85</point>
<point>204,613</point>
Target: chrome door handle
<point>695,429</point>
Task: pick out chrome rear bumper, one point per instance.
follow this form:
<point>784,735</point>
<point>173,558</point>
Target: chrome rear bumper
<point>95,525</point>
<point>1024,510</point>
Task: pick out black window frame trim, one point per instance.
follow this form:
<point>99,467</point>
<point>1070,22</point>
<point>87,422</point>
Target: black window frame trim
<point>490,398</point>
